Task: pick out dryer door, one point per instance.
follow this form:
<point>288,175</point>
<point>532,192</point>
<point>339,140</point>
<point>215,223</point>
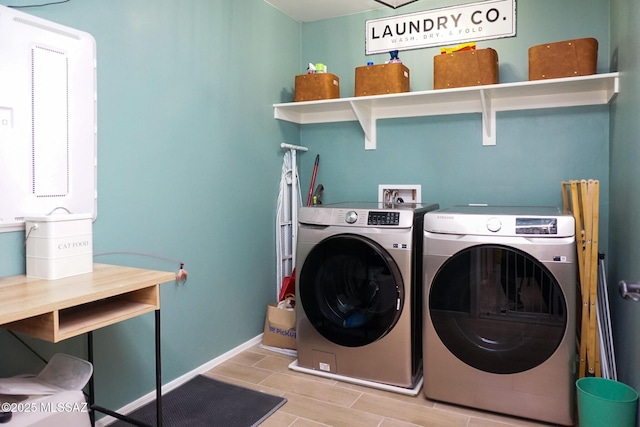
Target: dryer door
<point>351,290</point>
<point>497,309</point>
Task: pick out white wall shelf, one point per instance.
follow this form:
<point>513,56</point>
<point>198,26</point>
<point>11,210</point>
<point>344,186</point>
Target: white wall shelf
<point>597,89</point>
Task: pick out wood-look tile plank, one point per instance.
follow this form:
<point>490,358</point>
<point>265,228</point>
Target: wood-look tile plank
<point>479,415</point>
<point>409,412</point>
<point>248,374</point>
<point>419,399</point>
<point>313,389</point>
<point>275,364</point>
<point>301,422</point>
<point>390,422</point>
<point>280,419</point>
<point>247,358</point>
<point>326,413</point>
<point>315,401</point>
<point>477,422</point>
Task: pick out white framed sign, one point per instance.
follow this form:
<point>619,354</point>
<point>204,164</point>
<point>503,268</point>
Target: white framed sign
<point>472,22</point>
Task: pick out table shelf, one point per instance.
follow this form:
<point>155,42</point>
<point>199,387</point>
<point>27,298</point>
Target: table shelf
<point>55,310</point>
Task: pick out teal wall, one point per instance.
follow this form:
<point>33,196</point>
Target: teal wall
<point>188,168</point>
<point>340,42</point>
<point>189,163</point>
<point>625,181</point>
<point>535,151</point>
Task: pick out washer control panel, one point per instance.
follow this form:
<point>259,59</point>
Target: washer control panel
<point>371,215</point>
<point>383,218</point>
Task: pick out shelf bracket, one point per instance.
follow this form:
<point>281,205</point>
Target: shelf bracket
<point>367,122</point>
<point>488,120</point>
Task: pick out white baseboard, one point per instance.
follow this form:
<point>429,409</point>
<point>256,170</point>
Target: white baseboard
<point>138,403</point>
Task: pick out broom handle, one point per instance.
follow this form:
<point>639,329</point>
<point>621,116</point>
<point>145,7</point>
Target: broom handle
<point>313,180</point>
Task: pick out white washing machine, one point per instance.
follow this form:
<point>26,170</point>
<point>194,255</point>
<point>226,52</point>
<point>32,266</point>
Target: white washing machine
<point>499,312</point>
<point>359,291</point>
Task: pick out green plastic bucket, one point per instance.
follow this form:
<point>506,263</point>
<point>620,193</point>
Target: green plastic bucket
<point>606,403</point>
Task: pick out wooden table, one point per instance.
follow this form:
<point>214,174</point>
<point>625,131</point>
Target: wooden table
<point>54,310</point>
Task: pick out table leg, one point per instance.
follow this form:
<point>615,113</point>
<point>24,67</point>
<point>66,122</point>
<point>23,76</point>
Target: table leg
<point>158,372</point>
<point>92,396</point>
<point>114,414</point>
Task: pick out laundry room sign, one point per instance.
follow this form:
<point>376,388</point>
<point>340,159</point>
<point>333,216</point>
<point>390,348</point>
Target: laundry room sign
<point>472,22</point>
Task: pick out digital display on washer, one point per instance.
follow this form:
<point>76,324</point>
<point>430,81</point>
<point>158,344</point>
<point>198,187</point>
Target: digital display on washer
<point>383,218</point>
<point>536,226</point>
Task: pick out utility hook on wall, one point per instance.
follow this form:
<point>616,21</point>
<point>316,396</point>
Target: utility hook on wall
<point>629,290</point>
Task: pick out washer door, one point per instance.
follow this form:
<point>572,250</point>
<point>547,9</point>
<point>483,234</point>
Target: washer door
<point>497,309</point>
<point>351,290</point>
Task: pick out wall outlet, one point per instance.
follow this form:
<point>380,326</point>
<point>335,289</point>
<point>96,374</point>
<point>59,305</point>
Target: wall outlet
<point>392,194</point>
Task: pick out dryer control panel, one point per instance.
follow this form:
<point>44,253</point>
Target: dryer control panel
<point>527,221</point>
<point>536,226</point>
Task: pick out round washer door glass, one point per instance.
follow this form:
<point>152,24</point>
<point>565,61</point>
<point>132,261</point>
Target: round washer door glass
<point>351,290</point>
<point>497,309</point>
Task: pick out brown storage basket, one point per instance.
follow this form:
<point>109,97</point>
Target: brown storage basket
<point>312,87</point>
<point>465,68</point>
<point>381,79</point>
<point>567,58</point>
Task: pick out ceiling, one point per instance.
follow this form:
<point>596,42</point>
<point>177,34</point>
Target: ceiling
<point>314,10</point>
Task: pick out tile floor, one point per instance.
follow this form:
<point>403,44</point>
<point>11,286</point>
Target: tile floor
<point>315,401</point>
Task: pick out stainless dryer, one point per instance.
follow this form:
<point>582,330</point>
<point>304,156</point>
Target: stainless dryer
<point>359,291</point>
<point>500,304</point>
